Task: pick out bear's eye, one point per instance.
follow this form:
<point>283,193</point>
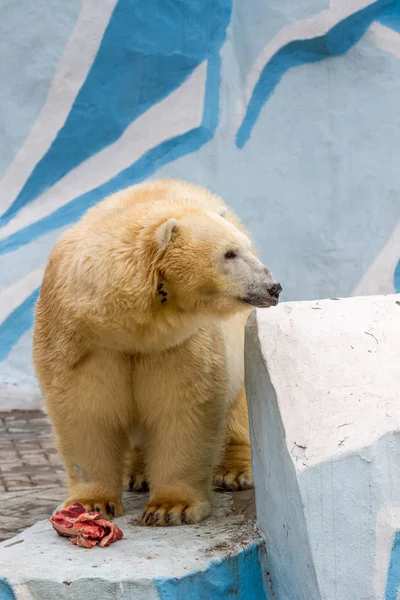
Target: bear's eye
<point>230,254</point>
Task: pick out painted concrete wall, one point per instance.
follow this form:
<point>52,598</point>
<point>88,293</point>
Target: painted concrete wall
<point>322,381</point>
<point>288,108</point>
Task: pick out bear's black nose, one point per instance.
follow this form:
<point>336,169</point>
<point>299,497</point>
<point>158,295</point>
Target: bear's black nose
<point>275,290</point>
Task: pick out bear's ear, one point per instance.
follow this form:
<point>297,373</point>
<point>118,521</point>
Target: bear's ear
<point>166,233</point>
<point>222,212</point>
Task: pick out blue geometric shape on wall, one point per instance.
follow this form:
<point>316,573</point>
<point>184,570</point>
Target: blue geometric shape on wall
<point>144,167</point>
<point>147,51</point>
<point>393,576</point>
<point>335,42</point>
<point>396,278</point>
<point>238,577</point>
<point>17,322</point>
<point>391,17</point>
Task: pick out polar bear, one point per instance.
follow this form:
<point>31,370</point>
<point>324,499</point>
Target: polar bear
<point>138,348</point>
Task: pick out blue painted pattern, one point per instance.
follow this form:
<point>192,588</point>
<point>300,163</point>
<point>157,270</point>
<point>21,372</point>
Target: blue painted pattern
<point>236,578</point>
<point>390,17</point>
<point>336,41</point>
<point>6,592</point>
<point>152,160</point>
<point>397,278</point>
<point>393,578</point>
<point>18,321</point>
<point>148,50</point>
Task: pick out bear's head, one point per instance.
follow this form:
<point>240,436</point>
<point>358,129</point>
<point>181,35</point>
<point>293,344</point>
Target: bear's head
<point>207,264</point>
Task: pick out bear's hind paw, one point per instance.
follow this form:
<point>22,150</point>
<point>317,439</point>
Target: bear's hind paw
<point>138,484</point>
<point>234,480</point>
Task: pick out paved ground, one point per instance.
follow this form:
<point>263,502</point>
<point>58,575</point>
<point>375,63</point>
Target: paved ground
<point>31,473</point>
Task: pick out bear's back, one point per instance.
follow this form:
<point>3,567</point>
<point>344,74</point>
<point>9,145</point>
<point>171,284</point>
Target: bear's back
<point>164,190</point>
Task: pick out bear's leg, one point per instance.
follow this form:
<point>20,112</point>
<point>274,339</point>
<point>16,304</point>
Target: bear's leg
<point>183,448</point>
<point>235,472</point>
<point>100,491</point>
<point>89,415</point>
<point>181,401</point>
<point>180,459</point>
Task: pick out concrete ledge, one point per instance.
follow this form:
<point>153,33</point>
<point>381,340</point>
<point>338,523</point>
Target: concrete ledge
<point>219,558</point>
<point>323,382</point>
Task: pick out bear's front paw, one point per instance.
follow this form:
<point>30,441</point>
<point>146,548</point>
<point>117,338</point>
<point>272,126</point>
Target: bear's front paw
<point>234,480</point>
<point>157,514</point>
<point>108,508</point>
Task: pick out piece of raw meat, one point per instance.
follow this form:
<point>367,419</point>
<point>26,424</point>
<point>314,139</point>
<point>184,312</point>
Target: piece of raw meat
<point>86,529</point>
<point>63,521</point>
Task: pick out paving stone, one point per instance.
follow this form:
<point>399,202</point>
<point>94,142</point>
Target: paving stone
<point>32,477</point>
<point>18,485</point>
<point>47,444</point>
<point>34,459</point>
<point>42,421</point>
<point>7,521</point>
<point>55,462</point>
<point>25,443</point>
<point>9,462</point>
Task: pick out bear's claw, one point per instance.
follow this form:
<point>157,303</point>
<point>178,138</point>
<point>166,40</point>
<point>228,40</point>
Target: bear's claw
<point>234,480</point>
<point>165,515</point>
<point>107,508</point>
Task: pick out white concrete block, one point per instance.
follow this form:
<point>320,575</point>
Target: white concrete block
<point>222,558</point>
<point>323,382</point>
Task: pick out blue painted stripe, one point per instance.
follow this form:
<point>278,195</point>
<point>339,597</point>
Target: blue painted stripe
<point>391,17</point>
<point>144,167</point>
<point>6,592</point>
<point>148,50</point>
<point>17,322</point>
<point>335,42</point>
<point>393,576</point>
<point>396,278</point>
<point>238,577</point>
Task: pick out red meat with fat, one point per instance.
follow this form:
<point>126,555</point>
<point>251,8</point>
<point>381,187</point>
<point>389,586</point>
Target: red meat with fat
<point>86,529</point>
